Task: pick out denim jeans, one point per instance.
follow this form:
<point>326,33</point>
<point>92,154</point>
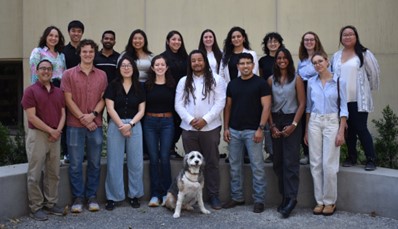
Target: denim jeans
<point>158,134</point>
<point>239,140</point>
<point>117,145</point>
<point>78,139</point>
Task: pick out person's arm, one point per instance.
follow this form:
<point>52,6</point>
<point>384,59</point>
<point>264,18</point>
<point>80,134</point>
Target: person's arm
<point>39,124</point>
<point>265,113</point>
<point>227,115</point>
<point>219,103</point>
<point>372,70</point>
<point>33,61</point>
<point>179,101</point>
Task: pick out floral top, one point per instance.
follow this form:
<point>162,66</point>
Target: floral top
<point>44,53</point>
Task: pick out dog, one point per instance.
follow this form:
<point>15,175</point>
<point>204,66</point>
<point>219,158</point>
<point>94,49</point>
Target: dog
<point>187,188</point>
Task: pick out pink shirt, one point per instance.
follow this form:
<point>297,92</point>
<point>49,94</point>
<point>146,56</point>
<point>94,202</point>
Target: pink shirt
<point>87,91</point>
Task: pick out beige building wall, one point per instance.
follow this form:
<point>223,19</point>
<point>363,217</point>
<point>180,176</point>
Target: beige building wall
<point>23,21</point>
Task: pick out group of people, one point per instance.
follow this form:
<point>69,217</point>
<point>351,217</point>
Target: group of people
<point>153,100</point>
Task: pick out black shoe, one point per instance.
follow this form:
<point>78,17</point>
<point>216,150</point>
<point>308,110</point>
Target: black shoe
<point>134,203</point>
<point>232,204</point>
<point>283,204</point>
<point>288,208</point>
<point>258,207</point>
<point>215,203</point>
<point>223,155</point>
<point>348,163</point>
<point>370,165</point>
<point>110,205</point>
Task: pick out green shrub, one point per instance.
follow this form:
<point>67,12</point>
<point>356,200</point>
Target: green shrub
<point>12,151</point>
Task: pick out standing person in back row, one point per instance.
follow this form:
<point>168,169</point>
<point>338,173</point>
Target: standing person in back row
<point>107,57</point>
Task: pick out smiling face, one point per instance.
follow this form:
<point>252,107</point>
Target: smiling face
<point>108,41</point>
<point>208,39</point>
<point>75,34</point>
<point>174,43</point>
<point>309,42</point>
<point>160,67</point>
<point>348,38</point>
<point>138,41</point>
<point>282,61</point>
<point>87,54</point>
<point>126,69</point>
<point>44,72</point>
<point>245,66</point>
<point>237,39</point>
<point>320,63</point>
<point>197,64</point>
<point>273,45</point>
<point>52,38</point>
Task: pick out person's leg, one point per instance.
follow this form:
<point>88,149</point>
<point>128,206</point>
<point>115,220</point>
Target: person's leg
<point>361,125</point>
<point>51,173</point>
<point>135,163</point>
<point>235,147</point>
<point>76,139</point>
<point>352,132</point>
<point>315,143</point>
<point>94,149</point>
<point>277,145</point>
<point>166,141</point>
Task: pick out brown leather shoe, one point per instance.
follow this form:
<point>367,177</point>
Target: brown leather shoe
<point>232,204</point>
<point>329,210</point>
<point>318,209</point>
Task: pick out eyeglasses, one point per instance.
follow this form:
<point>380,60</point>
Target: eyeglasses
<point>273,42</point>
<point>309,40</point>
<point>127,66</point>
<point>317,63</point>
<point>348,34</point>
<point>49,69</point>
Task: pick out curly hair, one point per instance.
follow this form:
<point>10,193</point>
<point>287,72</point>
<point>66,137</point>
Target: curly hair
<point>229,47</point>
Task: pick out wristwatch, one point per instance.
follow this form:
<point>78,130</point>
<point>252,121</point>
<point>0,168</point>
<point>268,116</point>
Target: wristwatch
<point>294,123</point>
<point>132,125</point>
<point>95,113</point>
<point>262,127</point>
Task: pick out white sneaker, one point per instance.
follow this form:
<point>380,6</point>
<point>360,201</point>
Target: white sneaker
<point>154,202</point>
<point>77,206</point>
<point>304,160</point>
<point>93,205</point>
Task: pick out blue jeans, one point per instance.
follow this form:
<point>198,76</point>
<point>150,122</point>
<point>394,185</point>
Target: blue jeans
<point>117,145</point>
<point>158,133</point>
<point>239,140</point>
<point>78,139</point>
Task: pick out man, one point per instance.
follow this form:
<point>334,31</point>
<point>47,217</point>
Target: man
<point>84,86</point>
<point>44,105</point>
<point>245,115</point>
<point>106,59</point>
<point>75,30</point>
<point>199,101</point>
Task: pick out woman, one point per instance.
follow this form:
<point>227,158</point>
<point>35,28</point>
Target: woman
<point>357,67</point>
<point>271,43</point>
<point>310,43</point>
<point>235,43</point>
<point>208,44</point>
<point>137,48</point>
<point>326,105</point>
<point>159,127</point>
<point>176,58</point>
<point>50,47</point>
<point>288,103</point>
<point>125,102</point>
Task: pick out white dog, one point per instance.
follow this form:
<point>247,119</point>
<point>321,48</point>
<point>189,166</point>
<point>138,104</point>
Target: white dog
<point>187,188</point>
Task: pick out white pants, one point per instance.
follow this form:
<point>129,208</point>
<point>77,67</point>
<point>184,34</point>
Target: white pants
<point>324,156</point>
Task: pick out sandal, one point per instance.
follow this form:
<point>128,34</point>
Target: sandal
<point>110,205</point>
<point>134,202</point>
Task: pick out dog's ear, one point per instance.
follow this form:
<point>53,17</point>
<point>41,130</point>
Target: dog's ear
<point>185,162</point>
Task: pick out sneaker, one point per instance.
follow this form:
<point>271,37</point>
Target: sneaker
<point>110,205</point>
<point>318,209</point>
<point>348,163</point>
<point>77,206</point>
<point>39,215</point>
<point>93,205</point>
<point>370,165</point>
<point>329,210</point>
<point>164,200</point>
<point>66,159</point>
<point>215,203</point>
<point>55,210</point>
<point>134,202</point>
<point>154,202</point>
<point>304,160</point>
<point>258,207</point>
<point>269,159</point>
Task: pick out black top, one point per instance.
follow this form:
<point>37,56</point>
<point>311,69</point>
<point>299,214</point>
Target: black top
<point>125,105</point>
<point>177,65</point>
<point>232,66</point>
<point>246,105</point>
<point>107,64</point>
<point>160,99</point>
<point>266,65</point>
<point>72,59</point>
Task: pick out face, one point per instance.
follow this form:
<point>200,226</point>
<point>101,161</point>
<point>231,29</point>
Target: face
<point>87,54</point>
<point>160,67</point>
<point>126,69</point>
<point>75,34</point>
<point>45,72</point>
<point>309,42</point>
<point>245,66</point>
<point>138,41</point>
<point>208,39</point>
<point>320,63</point>
<point>237,39</point>
<point>108,41</point>
<point>273,44</point>
<point>174,43</point>
<point>52,38</point>
<point>282,61</point>
<point>198,64</point>
<point>348,38</point>
<point>193,159</point>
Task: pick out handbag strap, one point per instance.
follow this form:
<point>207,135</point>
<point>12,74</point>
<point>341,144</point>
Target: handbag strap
<point>338,94</point>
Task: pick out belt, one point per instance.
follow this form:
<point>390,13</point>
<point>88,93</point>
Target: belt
<point>160,115</point>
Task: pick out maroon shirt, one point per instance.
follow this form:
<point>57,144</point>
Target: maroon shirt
<point>48,104</point>
<point>86,90</point>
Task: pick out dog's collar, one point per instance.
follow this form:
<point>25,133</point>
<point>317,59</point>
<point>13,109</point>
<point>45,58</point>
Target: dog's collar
<point>193,181</point>
<point>192,173</point>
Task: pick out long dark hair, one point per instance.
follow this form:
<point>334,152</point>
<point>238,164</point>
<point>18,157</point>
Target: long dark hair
<point>209,83</point>
<point>359,48</point>
<point>152,75</point>
<point>291,72</point>
<point>303,53</point>
<point>134,78</point>
<point>270,36</point>
<point>61,40</point>
<point>229,47</point>
<point>130,50</point>
<point>215,48</point>
<point>182,52</point>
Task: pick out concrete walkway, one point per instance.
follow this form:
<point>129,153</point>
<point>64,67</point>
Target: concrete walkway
<point>240,217</point>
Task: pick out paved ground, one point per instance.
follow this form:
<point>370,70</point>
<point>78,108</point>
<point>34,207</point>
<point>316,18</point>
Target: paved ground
<point>240,217</point>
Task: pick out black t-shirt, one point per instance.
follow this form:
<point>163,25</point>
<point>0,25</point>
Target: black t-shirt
<point>246,106</point>
<point>177,65</point>
<point>125,105</point>
<point>232,66</point>
<point>160,99</point>
<point>266,64</point>
<point>72,58</point>
<point>107,64</point>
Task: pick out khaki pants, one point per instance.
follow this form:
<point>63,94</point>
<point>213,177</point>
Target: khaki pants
<point>43,155</point>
